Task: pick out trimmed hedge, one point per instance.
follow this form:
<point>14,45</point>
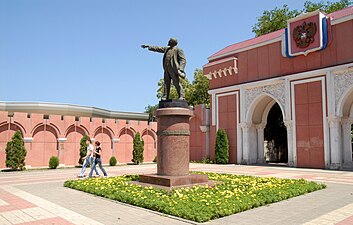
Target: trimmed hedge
<point>112,161</point>
<point>53,162</point>
<point>222,147</point>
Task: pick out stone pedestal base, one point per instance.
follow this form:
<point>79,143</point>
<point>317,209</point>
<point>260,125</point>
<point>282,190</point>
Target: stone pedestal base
<point>173,131</point>
<point>173,181</point>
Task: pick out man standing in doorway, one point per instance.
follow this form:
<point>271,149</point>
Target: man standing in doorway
<point>174,62</point>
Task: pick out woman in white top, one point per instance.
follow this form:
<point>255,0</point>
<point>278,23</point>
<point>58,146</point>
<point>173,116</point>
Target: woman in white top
<point>88,158</point>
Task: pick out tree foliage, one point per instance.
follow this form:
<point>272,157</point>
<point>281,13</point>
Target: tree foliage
<point>198,91</point>
<point>16,152</point>
<point>276,19</point>
<point>83,148</point>
<point>151,110</point>
<point>195,92</point>
<point>173,93</point>
<point>222,147</point>
<point>137,153</point>
<point>272,20</point>
<point>327,7</point>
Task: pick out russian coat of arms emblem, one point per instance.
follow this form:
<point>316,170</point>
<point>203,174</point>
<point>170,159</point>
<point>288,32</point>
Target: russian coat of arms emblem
<point>303,35</point>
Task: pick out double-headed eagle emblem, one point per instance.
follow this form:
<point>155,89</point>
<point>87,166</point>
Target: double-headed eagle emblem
<point>304,34</point>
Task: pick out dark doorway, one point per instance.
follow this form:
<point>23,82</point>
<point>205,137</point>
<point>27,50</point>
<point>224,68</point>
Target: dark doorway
<point>275,135</point>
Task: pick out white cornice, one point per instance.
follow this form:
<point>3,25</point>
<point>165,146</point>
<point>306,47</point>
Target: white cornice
<point>342,19</point>
<point>69,110</point>
<point>313,73</point>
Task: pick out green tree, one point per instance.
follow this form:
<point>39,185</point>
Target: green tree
<point>276,19</point>
<point>83,148</point>
<point>272,20</point>
<point>151,110</point>
<point>195,93</point>
<point>137,153</point>
<point>16,152</point>
<point>198,91</point>
<point>327,7</point>
<point>222,147</point>
<point>173,93</point>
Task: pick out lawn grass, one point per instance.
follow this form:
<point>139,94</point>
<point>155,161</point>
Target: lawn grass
<point>232,194</point>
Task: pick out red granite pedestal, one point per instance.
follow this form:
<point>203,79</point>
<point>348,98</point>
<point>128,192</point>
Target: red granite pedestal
<point>173,131</point>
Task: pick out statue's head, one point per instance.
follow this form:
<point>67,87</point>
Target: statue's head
<point>172,42</point>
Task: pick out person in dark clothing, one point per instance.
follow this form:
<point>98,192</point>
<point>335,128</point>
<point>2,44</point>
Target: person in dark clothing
<point>97,160</point>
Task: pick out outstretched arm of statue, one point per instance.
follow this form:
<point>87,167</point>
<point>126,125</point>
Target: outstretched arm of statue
<point>155,48</point>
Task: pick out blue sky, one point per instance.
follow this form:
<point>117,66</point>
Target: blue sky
<point>88,52</point>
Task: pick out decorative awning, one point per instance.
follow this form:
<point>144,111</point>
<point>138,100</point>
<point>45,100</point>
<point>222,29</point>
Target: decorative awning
<point>221,68</point>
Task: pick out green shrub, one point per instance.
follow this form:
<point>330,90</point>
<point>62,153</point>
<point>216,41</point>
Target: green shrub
<point>53,162</point>
<point>16,152</point>
<point>137,153</point>
<point>222,147</point>
<point>112,161</point>
<point>83,148</point>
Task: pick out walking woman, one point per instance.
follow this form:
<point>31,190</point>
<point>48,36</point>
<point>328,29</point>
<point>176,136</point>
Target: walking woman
<point>88,158</point>
<point>97,159</point>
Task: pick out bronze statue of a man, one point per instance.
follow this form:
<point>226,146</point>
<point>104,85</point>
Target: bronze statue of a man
<point>173,64</point>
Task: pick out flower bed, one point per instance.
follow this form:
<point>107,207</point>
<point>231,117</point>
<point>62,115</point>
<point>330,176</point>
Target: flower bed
<point>231,195</point>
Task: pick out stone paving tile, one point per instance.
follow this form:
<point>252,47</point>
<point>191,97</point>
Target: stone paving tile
<point>299,210</point>
<point>47,209</point>
<point>51,221</point>
<point>12,202</point>
<point>4,221</point>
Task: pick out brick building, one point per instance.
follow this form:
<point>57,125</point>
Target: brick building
<point>307,71</point>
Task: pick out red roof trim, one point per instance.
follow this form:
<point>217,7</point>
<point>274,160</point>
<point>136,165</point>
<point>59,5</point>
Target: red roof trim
<point>271,36</point>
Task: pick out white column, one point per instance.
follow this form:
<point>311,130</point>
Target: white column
<point>239,144</point>
<point>335,142</point>
<point>260,143</point>
<point>292,156</point>
<point>347,142</point>
<point>246,142</point>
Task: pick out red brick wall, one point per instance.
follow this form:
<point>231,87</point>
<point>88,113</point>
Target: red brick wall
<point>228,122</point>
<point>309,125</point>
<point>197,137</point>
<point>45,134</point>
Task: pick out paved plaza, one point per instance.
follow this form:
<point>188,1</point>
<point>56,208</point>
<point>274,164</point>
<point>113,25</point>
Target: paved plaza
<point>38,197</point>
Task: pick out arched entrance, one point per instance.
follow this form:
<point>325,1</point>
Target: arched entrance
<point>264,113</point>
<point>275,135</point>
<point>346,114</point>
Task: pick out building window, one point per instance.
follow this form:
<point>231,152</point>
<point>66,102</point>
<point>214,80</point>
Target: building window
<point>45,117</point>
